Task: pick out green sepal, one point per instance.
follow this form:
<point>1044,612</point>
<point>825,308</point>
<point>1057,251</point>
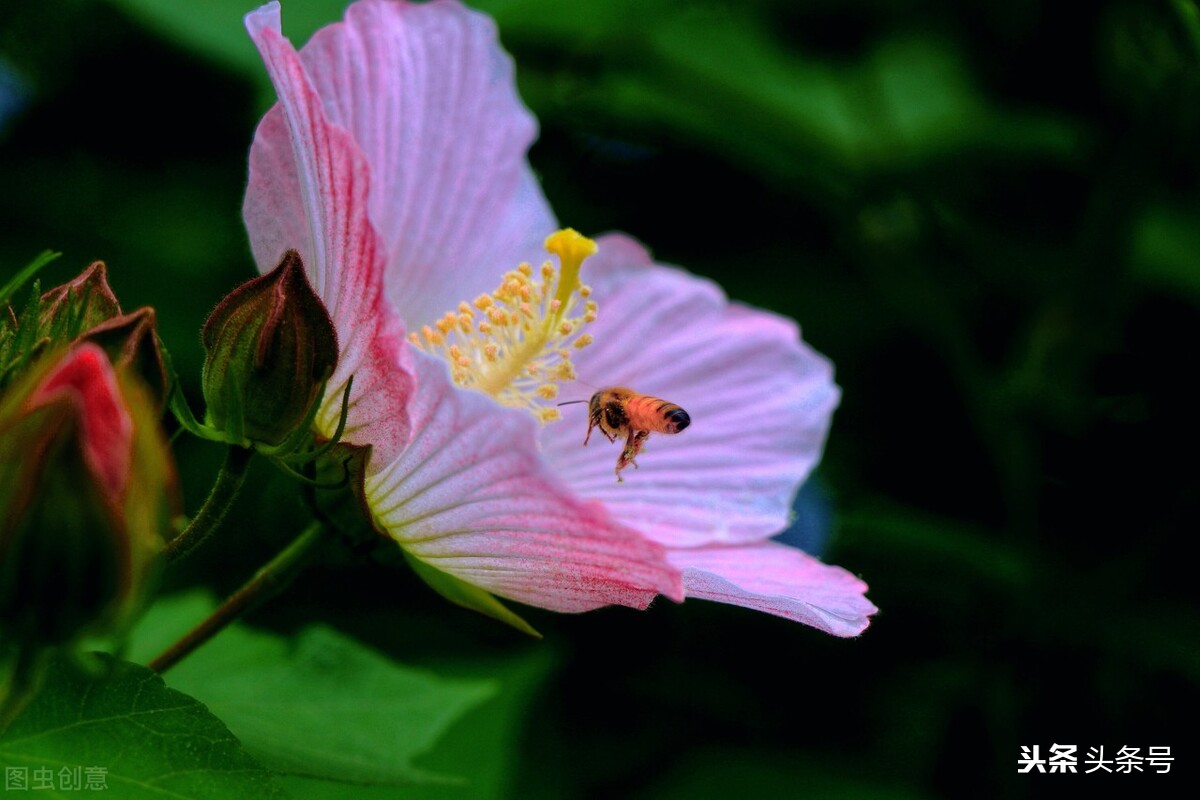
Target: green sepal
<point>350,514</point>
<point>179,407</point>
<point>78,305</point>
<point>21,345</point>
<point>82,309</point>
<point>291,449</point>
<point>235,423</point>
<point>464,594</point>
<point>341,475</point>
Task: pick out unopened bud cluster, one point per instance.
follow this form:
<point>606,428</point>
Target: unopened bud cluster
<point>87,486</point>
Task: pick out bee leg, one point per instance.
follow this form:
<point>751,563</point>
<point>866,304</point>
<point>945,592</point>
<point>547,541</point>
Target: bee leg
<point>627,454</point>
<point>633,446</point>
<point>593,422</point>
<point>635,442</point>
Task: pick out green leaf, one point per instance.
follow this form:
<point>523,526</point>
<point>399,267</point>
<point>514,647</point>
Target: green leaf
<point>1165,245</point>
<point>720,75</point>
<point>483,748</point>
<point>211,27</point>
<point>26,273</point>
<point>214,27</point>
<point>317,704</point>
<point>151,741</point>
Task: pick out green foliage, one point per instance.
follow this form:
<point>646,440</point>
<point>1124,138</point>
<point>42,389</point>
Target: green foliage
<point>316,704</point>
<point>26,274</point>
<point>19,340</point>
<point>986,214</point>
<point>725,81</point>
<point>153,742</point>
<point>717,76</point>
<point>56,318</point>
<point>482,750</point>
<point>1166,242</point>
<point>214,27</point>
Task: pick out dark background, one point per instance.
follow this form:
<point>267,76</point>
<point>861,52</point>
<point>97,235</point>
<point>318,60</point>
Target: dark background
<point>986,213</point>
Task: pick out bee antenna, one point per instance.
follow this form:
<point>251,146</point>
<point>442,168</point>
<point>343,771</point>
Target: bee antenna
<point>572,402</point>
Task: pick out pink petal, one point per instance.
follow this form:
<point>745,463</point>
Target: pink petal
<point>86,376</point>
<point>471,497</point>
<point>429,96</point>
<point>759,398</point>
<point>309,185</point>
<point>779,580</point>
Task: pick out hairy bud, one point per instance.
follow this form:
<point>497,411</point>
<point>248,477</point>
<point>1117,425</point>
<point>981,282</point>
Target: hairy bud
<point>271,346</point>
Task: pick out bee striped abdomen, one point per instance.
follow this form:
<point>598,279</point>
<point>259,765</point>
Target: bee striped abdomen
<point>620,412</point>
<point>656,415</point>
<point>678,419</point>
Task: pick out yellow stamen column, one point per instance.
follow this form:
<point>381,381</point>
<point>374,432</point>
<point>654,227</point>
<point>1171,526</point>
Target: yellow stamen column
<point>515,344</point>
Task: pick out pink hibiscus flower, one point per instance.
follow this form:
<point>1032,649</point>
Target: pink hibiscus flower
<point>395,163</point>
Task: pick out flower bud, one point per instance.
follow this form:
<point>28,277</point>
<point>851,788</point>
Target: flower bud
<point>271,346</point>
<point>84,303</point>
<point>87,491</point>
<point>130,341</point>
<point>84,309</point>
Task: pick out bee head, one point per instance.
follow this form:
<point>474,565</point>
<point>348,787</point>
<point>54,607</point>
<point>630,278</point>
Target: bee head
<point>595,403</point>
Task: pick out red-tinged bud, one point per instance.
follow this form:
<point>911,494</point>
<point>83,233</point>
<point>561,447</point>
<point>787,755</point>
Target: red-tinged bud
<point>130,340</point>
<point>271,346</point>
<point>83,309</point>
<point>87,491</point>
<point>80,304</point>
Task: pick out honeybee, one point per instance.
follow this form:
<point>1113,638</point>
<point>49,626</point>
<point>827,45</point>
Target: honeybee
<point>619,411</point>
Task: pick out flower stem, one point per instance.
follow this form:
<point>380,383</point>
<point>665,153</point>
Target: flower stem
<point>269,581</point>
<point>220,499</point>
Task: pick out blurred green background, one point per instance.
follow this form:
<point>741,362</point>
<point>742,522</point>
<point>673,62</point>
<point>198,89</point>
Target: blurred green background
<point>986,213</point>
